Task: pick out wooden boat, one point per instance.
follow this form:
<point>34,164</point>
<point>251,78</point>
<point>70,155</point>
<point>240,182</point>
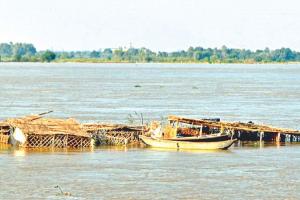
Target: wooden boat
<point>164,143</point>
<point>186,137</point>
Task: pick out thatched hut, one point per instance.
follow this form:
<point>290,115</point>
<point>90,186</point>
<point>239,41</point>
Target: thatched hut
<point>35,131</point>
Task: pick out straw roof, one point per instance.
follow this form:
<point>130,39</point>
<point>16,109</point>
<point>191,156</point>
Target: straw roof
<point>233,125</point>
<point>111,127</point>
<point>35,124</point>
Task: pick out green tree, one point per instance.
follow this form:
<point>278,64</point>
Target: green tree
<point>118,54</point>
<point>197,55</point>
<point>48,56</point>
<point>95,54</point>
<point>107,54</point>
<point>5,50</point>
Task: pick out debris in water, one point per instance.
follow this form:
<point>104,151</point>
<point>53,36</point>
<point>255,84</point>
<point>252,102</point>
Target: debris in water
<point>62,192</point>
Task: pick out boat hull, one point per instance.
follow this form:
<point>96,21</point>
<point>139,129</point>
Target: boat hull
<point>160,143</point>
<point>207,138</point>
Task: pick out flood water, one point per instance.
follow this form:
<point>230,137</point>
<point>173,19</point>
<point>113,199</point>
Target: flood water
<point>267,94</point>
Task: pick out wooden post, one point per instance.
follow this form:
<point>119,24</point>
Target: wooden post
<point>201,127</point>
<point>41,141</point>
<point>176,130</point>
<point>53,140</point>
<point>232,133</point>
<point>66,140</point>
<point>142,123</point>
<point>261,135</point>
<point>278,138</point>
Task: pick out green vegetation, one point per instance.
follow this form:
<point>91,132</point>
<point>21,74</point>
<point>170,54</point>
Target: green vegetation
<point>23,52</point>
<point>48,56</point>
<point>17,52</point>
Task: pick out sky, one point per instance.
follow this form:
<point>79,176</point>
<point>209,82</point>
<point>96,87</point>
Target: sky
<point>161,25</point>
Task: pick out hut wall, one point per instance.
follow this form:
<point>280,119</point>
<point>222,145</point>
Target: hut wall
<point>106,137</point>
<point>57,141</point>
<point>4,133</point>
<point>4,138</point>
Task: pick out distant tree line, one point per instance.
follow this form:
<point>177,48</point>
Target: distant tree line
<point>23,52</point>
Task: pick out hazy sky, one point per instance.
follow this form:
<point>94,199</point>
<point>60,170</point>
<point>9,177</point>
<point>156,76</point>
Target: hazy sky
<point>156,24</point>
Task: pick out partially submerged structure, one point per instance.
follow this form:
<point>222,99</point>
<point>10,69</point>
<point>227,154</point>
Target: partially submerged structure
<point>240,130</point>
<point>36,131</point>
<point>114,134</point>
<point>187,133</point>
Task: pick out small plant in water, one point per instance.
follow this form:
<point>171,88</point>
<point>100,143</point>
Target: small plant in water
<point>62,192</point>
<point>135,118</point>
<point>130,119</point>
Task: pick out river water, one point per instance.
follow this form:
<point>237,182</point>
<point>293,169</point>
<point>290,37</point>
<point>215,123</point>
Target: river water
<point>267,94</point>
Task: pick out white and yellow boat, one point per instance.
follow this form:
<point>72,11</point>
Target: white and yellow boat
<point>173,136</point>
<point>170,144</point>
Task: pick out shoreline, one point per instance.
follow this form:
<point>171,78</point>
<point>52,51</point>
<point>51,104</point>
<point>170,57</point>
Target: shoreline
<point>125,62</point>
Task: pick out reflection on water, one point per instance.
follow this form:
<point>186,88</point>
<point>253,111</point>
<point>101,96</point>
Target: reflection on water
<point>186,150</point>
<point>105,92</point>
<point>20,151</point>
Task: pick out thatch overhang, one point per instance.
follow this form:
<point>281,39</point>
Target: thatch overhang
<point>238,126</point>
<point>35,124</point>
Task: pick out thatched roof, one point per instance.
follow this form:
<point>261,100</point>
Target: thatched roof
<point>111,127</point>
<point>35,124</point>
<point>233,125</point>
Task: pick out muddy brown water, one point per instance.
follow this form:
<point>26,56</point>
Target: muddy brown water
<point>267,94</point>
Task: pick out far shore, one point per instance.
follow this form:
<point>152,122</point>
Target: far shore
<point>128,62</point>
